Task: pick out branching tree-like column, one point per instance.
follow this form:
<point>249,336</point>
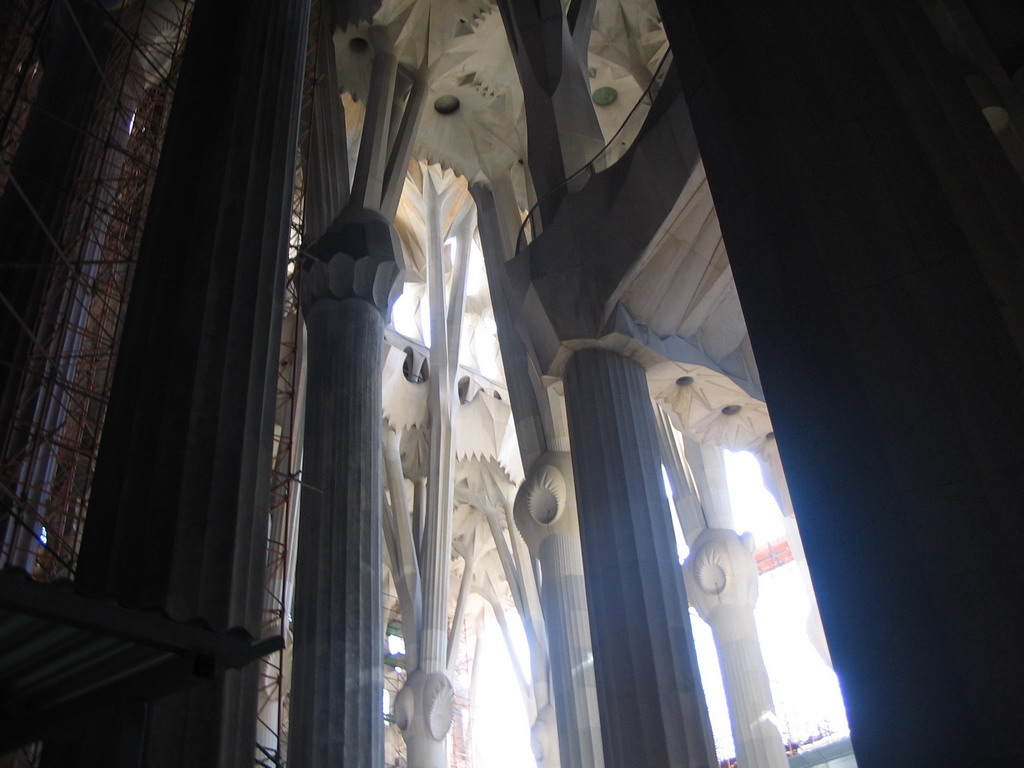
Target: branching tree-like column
<point>545,513</point>
<point>652,705</point>
<point>425,705</point>
<point>721,579</point>
<point>348,287</point>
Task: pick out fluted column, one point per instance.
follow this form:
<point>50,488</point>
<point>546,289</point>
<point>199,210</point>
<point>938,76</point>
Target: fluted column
<point>545,513</point>
<point>178,512</point>
<point>874,232</point>
<point>652,706</point>
<point>564,600</point>
<point>721,579</point>
<point>338,675</point>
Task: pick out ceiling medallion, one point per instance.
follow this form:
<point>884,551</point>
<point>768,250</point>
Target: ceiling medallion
<point>446,105</point>
<point>605,96</point>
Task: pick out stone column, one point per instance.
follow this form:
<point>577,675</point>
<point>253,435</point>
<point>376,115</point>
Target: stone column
<point>545,513</point>
<point>652,706</point>
<point>178,514</point>
<point>424,706</point>
<point>348,287</point>
<point>874,232</point>
<point>721,580</point>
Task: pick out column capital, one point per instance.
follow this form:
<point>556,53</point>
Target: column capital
<point>358,257</point>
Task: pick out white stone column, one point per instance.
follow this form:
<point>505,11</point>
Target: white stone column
<point>717,504</point>
<point>721,580</point>
<point>424,706</point>
<point>545,513</point>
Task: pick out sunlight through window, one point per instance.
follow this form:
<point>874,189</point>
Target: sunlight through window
<point>501,730</point>
<point>808,703</point>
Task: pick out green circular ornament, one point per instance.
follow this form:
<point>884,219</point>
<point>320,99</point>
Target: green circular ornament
<point>605,95</point>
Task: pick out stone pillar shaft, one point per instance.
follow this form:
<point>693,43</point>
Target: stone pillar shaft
<point>188,435</point>
<point>722,581</point>
<point>747,692</point>
<point>564,600</point>
<point>651,701</point>
<point>546,515</point>
<point>348,283</point>
<point>338,678</point>
<point>874,232</point>
<point>178,513</point>
<point>424,706</point>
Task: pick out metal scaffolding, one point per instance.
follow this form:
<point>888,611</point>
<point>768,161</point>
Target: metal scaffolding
<point>49,449</point>
<point>50,445</point>
<point>395,753</point>
<point>22,757</point>
<point>461,750</point>
<point>20,24</point>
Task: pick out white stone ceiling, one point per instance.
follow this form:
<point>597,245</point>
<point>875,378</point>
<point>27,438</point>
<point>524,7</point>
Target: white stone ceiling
<point>467,56</point>
<point>682,285</point>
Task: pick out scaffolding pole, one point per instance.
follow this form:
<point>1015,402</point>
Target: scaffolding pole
<point>461,732</point>
<point>51,442</point>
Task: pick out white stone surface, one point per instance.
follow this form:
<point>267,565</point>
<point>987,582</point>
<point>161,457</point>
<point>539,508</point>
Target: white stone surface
<point>721,581</point>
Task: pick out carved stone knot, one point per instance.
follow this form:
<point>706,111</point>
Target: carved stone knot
<point>721,571</point>
<point>544,739</point>
<point>426,704</point>
<point>356,258</point>
<point>546,502</point>
<point>545,495</point>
